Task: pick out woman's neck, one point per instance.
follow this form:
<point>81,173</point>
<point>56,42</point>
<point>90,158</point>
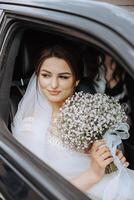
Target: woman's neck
<point>55,107</point>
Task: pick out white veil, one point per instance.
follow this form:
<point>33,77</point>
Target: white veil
<point>33,109</point>
<point>33,103</point>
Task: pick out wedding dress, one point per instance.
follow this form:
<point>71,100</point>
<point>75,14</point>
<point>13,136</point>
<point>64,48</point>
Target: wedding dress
<point>31,128</point>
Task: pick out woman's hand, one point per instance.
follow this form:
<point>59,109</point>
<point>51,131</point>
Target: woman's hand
<point>100,158</point>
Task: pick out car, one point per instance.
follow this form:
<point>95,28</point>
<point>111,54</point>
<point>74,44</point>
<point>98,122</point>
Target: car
<point>26,27</point>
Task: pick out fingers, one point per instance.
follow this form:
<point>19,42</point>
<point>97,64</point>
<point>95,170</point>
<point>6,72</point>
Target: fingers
<point>94,147</point>
<point>122,157</point>
<point>126,164</point>
<point>98,144</point>
<point>103,156</point>
<point>107,162</point>
<point>100,154</point>
<point>103,149</point>
<point>103,160</point>
<point>119,154</point>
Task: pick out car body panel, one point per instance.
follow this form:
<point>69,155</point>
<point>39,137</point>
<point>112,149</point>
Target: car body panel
<point>86,17</point>
<point>97,11</point>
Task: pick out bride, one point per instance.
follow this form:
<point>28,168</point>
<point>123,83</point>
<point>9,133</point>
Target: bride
<point>55,79</point>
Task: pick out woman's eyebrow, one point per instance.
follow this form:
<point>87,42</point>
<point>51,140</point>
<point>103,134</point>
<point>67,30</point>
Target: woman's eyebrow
<point>44,70</point>
<point>65,73</point>
<point>62,73</point>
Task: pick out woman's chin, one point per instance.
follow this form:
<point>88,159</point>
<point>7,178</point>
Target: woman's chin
<point>55,99</point>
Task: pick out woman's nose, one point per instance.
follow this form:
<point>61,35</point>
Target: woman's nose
<point>54,82</point>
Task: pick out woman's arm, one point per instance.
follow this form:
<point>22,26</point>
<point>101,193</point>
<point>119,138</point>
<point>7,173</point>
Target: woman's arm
<point>86,180</point>
<point>100,158</point>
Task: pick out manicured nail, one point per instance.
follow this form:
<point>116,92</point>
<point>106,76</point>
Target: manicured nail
<point>126,164</point>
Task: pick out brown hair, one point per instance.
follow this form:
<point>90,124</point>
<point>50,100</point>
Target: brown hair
<point>69,54</point>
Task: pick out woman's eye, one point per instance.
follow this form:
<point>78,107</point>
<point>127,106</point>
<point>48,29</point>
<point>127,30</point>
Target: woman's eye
<point>46,75</point>
<point>64,77</point>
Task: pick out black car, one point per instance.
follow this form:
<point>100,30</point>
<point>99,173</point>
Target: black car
<point>26,27</point>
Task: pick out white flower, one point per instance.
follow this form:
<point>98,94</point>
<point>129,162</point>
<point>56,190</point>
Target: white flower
<point>85,117</point>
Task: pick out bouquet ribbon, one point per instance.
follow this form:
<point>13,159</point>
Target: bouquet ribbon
<point>122,179</point>
<point>114,138</point>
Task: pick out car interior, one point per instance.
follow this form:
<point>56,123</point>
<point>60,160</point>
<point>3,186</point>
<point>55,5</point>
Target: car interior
<point>31,45</point>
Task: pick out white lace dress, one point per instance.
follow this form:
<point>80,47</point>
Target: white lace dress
<point>71,164</point>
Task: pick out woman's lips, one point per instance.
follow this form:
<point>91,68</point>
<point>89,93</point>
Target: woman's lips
<point>54,92</point>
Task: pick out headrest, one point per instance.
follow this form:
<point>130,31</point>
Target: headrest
<point>24,65</point>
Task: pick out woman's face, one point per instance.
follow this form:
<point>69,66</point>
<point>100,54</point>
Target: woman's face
<point>56,80</point>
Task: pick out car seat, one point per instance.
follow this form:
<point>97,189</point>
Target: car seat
<point>23,70</point>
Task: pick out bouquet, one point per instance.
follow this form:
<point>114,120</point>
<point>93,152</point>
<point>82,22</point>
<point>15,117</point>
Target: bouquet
<point>85,118</point>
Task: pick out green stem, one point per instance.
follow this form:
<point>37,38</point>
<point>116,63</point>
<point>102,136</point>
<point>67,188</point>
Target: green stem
<point>110,168</point>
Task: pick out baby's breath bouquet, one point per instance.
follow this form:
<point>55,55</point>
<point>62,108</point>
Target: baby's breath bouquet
<point>85,118</point>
